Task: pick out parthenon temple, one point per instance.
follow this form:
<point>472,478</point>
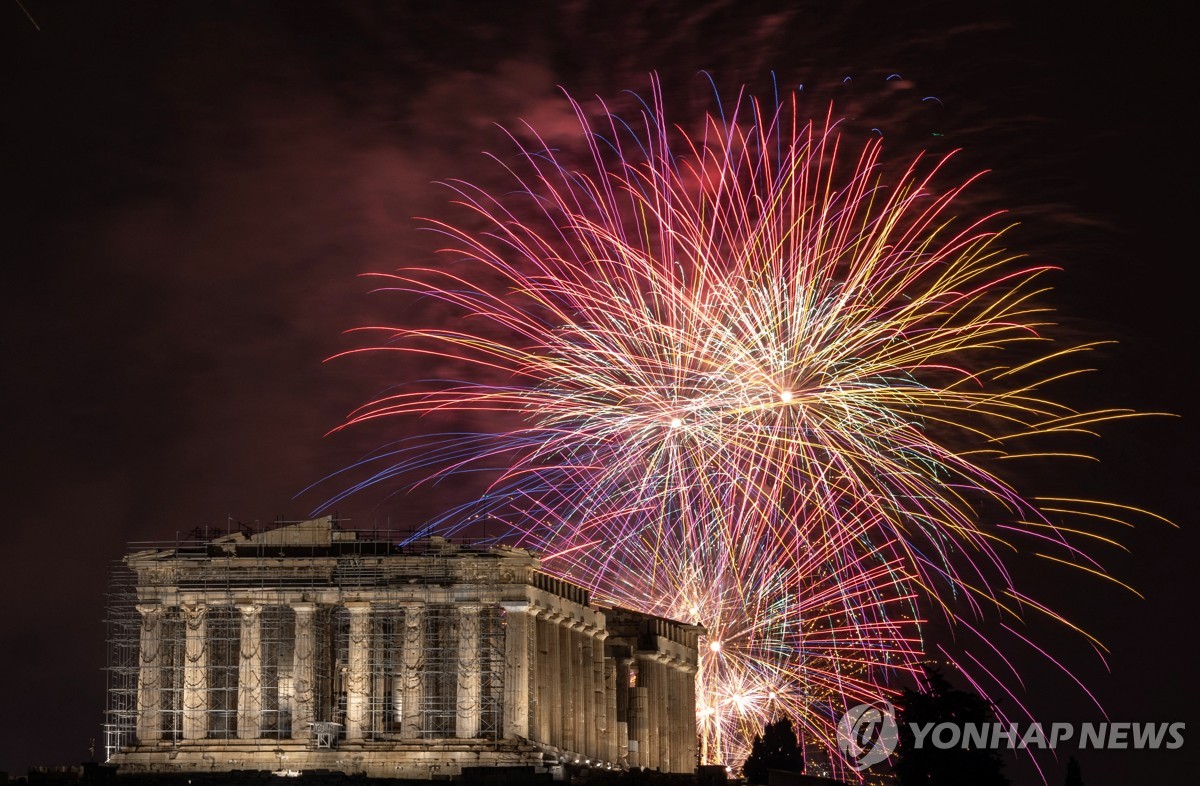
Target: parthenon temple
<point>309,646</point>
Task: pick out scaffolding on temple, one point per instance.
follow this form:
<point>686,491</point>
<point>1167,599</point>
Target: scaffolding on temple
<point>312,646</point>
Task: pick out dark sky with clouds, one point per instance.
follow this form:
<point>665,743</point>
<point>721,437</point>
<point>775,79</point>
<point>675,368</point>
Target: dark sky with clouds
<point>193,189</point>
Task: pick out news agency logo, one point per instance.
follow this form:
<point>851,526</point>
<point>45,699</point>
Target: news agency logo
<point>867,734</point>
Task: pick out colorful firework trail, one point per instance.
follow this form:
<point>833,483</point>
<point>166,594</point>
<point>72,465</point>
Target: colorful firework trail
<point>755,381</point>
<point>797,639</point>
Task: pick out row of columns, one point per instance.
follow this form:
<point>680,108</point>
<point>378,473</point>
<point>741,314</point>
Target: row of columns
<point>559,688</point>
<point>195,703</point>
<point>562,691</point>
<point>569,697</point>
<point>408,697</point>
<point>662,714</point>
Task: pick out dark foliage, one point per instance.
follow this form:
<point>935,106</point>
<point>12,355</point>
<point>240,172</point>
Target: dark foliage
<point>1074,777</point>
<point>939,702</point>
<point>776,749</point>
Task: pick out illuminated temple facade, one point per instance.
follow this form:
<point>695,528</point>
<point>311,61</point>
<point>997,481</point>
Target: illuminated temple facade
<point>310,647</point>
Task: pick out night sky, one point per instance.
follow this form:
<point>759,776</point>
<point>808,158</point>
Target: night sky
<point>193,189</point>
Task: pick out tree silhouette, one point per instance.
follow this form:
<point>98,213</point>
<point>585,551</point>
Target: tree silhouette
<point>1074,778</point>
<point>776,749</point>
<point>937,701</point>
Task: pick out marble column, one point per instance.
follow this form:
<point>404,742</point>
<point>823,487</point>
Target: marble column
<point>541,717</point>
<point>195,672</point>
<point>654,716</point>
<point>249,715</point>
<point>689,708</point>
<point>149,696</point>
<point>582,666</point>
<point>567,656</point>
<point>670,724</point>
<point>412,666</point>
<point>624,694</point>
<point>650,722</point>
<point>304,708</point>
<point>516,671</point>
<point>662,675</point>
<point>676,719</point>
<point>624,672</point>
<point>395,667</point>
<point>378,705</point>
<point>358,671</point>
<point>687,722</point>
<point>586,716</point>
<point>640,747</point>
<point>599,701</point>
<point>612,732</point>
<point>468,685</point>
<point>554,677</point>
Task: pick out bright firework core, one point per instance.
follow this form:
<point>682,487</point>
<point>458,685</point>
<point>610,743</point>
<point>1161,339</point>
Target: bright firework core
<point>648,268</point>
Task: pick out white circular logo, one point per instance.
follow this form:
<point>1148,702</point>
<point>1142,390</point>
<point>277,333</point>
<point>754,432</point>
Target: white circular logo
<point>867,734</point>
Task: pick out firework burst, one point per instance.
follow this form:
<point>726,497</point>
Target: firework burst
<point>753,381</point>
